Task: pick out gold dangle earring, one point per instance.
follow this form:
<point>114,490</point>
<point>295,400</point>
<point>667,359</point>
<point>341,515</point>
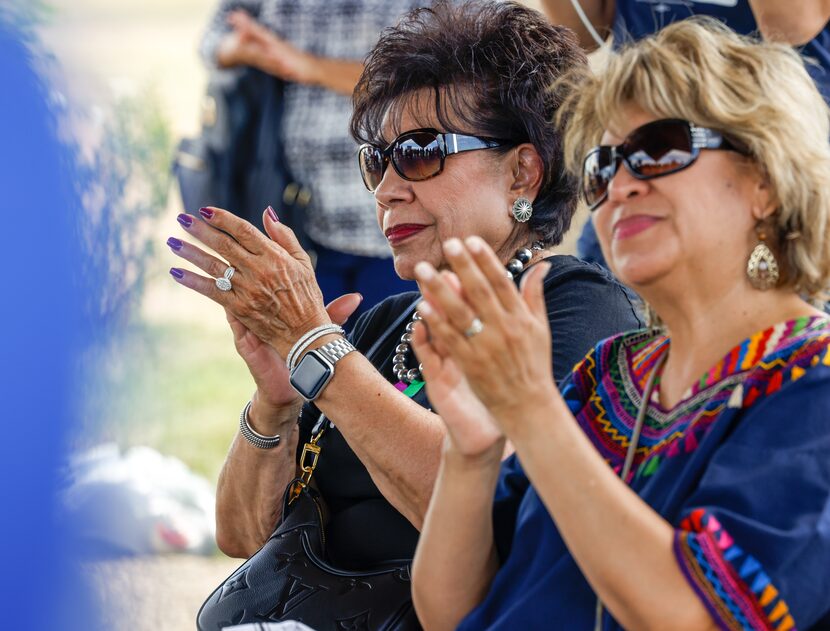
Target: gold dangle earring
<point>762,267</point>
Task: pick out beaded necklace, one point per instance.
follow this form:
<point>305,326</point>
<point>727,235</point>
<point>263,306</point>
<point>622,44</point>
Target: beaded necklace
<point>409,379</point>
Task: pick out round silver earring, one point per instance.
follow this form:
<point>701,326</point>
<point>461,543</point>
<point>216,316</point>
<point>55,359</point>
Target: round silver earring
<point>522,210</point>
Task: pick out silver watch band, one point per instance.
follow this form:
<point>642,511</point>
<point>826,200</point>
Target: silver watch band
<point>336,350</point>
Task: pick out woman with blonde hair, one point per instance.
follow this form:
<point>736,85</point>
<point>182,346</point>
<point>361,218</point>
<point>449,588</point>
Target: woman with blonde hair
<point>680,477</point>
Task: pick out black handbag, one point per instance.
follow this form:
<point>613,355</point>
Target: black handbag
<point>237,161</point>
<point>289,578</point>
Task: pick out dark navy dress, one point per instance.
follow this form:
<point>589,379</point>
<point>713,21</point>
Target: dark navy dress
<point>740,467</point>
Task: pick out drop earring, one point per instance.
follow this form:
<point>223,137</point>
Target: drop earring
<point>762,267</point>
<point>522,210</point>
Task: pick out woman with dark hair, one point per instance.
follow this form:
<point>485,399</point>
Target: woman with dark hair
<point>454,106</point>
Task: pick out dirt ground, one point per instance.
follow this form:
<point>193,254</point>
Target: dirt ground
<point>161,593</point>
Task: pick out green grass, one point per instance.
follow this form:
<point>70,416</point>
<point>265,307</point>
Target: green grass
<point>177,389</point>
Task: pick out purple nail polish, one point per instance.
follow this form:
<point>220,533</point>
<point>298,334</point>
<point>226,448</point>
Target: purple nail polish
<point>185,220</point>
<point>175,272</point>
<point>174,243</point>
<point>272,215</point>
<point>207,213</point>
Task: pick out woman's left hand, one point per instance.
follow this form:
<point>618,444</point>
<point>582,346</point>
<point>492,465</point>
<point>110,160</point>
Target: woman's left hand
<point>274,291</point>
<point>508,362</point>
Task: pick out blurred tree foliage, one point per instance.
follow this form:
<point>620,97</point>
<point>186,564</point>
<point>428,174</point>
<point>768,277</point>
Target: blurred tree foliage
<point>123,186</point>
<point>124,189</point>
<point>24,15</point>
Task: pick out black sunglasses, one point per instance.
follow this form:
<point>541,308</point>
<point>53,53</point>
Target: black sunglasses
<point>656,149</point>
<point>416,155</point>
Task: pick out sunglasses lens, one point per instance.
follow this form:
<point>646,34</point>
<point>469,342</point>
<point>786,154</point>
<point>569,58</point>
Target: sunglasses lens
<point>371,166</point>
<point>658,149</point>
<point>417,156</point>
<point>598,169</point>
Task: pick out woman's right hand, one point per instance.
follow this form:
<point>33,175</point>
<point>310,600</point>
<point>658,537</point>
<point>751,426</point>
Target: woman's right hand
<point>252,44</point>
<point>507,360</point>
<point>267,367</point>
<point>241,46</point>
<point>472,432</point>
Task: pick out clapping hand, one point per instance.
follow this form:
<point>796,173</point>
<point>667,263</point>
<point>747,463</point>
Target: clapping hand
<point>497,336</point>
<point>471,429</point>
<point>274,297</point>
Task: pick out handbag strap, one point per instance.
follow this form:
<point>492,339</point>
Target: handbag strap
<point>311,450</point>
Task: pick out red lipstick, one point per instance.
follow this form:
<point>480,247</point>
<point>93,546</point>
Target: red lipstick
<point>631,226</point>
<point>401,232</point>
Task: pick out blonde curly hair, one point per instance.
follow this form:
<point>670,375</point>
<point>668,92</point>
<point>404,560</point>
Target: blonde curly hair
<point>758,93</point>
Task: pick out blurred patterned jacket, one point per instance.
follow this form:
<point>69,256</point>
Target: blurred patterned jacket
<point>320,153</point>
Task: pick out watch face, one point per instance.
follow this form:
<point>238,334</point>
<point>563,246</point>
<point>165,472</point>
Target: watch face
<point>311,375</point>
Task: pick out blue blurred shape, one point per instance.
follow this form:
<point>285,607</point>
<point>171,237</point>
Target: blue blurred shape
<point>42,328</point>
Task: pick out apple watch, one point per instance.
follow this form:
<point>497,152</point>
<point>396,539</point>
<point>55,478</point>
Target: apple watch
<point>314,371</point>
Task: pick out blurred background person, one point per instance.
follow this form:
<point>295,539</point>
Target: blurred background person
<point>804,24</point>
<point>317,47</point>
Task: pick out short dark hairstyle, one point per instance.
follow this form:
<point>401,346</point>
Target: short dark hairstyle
<point>491,66</point>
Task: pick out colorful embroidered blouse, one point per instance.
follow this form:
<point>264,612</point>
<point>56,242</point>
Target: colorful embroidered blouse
<point>741,467</point>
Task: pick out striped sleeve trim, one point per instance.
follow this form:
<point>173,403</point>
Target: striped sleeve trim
<point>731,583</point>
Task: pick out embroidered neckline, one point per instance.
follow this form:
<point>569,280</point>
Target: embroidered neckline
<point>607,387</point>
<point>647,348</point>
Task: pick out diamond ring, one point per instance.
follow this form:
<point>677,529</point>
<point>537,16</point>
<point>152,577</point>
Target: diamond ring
<point>223,283</point>
<point>476,327</point>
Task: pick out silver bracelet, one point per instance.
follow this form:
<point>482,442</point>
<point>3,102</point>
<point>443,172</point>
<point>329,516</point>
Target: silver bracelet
<point>306,340</point>
<point>257,440</point>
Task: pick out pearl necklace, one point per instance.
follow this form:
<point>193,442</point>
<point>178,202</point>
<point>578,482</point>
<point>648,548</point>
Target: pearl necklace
<point>514,268</point>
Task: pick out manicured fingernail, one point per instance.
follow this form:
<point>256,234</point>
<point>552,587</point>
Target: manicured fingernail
<point>424,271</point>
<point>174,243</point>
<point>424,309</point>
<point>474,243</point>
<point>175,272</point>
<point>272,215</point>
<point>452,247</point>
<point>185,220</point>
<point>207,213</point>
